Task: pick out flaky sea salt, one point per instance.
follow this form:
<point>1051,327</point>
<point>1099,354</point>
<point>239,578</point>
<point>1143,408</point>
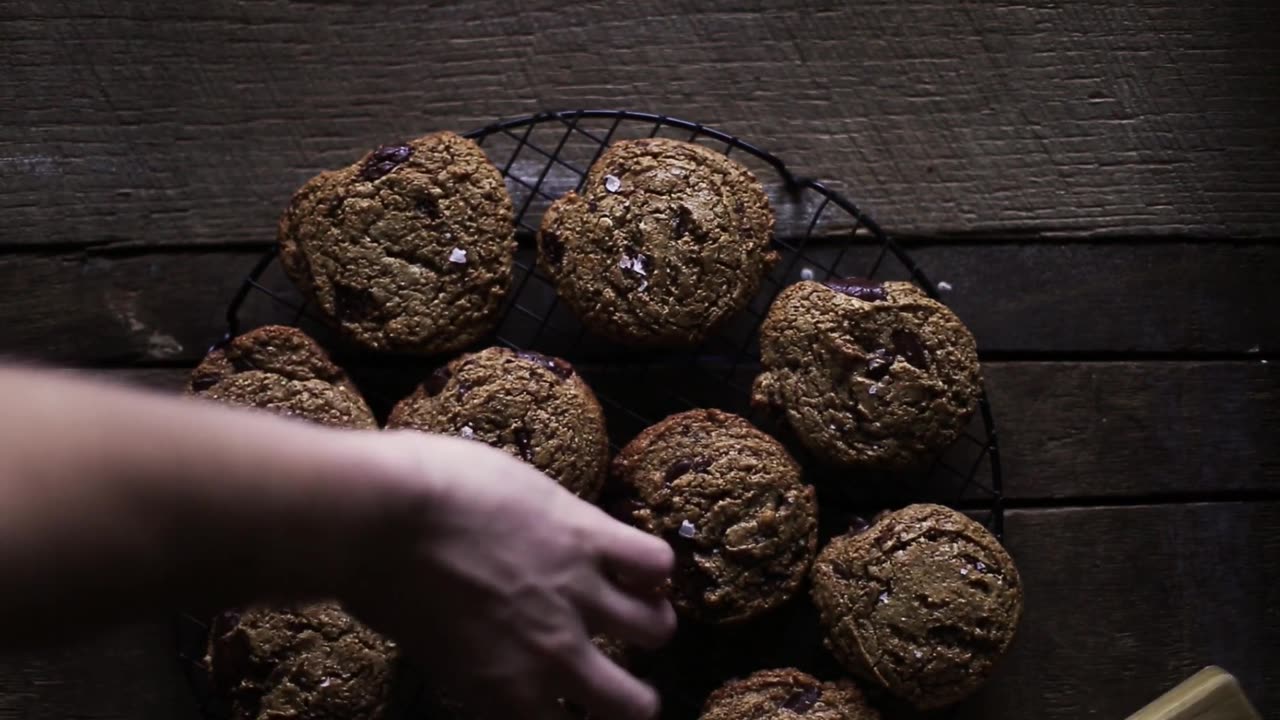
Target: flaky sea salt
<point>981,566</point>
<point>944,286</point>
<point>612,183</point>
<point>325,683</point>
<point>806,274</point>
<point>466,433</point>
<point>458,255</point>
<point>687,529</point>
<point>884,598</point>
<point>634,264</point>
<point>964,571</point>
<point>919,654</point>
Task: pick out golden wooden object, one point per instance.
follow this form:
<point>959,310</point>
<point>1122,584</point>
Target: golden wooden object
<point>1211,694</point>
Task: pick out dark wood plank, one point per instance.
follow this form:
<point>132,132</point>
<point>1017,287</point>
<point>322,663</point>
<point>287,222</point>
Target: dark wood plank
<point>1044,299</point>
<point>1103,430</point>
<point>1122,603</point>
<point>185,123</point>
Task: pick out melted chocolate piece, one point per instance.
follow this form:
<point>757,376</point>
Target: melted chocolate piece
<point>683,222</point>
<point>353,304</point>
<point>686,465</point>
<point>201,384</point>
<point>437,381</point>
<point>861,288</point>
<point>560,367</point>
<point>800,701</point>
<point>524,446</point>
<point>552,247</point>
<point>879,364</point>
<point>908,346</point>
<point>384,160</point>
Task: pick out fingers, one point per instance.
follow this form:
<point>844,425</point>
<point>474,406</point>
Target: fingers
<point>608,691</point>
<point>646,621</point>
<point>638,558</point>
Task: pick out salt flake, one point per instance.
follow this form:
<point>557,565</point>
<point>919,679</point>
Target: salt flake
<point>634,264</point>
<point>919,654</point>
<point>325,683</point>
<point>687,529</point>
<point>964,571</point>
<point>981,566</point>
<point>806,274</point>
<point>612,183</point>
<point>944,286</point>
<point>884,598</point>
<point>467,433</point>
<point>458,255</point>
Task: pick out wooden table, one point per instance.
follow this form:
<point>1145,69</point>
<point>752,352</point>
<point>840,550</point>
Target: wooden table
<point>1099,182</point>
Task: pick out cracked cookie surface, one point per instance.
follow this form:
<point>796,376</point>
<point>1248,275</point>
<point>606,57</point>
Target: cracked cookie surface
<point>730,501</point>
<point>281,369</point>
<point>410,249</point>
<point>923,602</point>
<point>867,374</point>
<point>666,240</point>
<point>786,694</point>
<point>535,407</point>
<point>302,663</point>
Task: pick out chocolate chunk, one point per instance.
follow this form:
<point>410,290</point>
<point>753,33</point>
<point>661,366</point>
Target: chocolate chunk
<point>686,465</point>
<point>552,248</point>
<point>908,346</point>
<point>354,304</point>
<point>524,439</point>
<point>429,207</point>
<point>683,222</point>
<point>437,381</point>
<point>201,384</point>
<point>384,160</point>
<point>800,701</point>
<point>879,363</point>
<point>861,288</point>
<point>858,524</point>
<point>560,367</point>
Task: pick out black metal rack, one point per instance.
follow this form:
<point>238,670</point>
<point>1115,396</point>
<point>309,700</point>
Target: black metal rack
<point>821,235</point>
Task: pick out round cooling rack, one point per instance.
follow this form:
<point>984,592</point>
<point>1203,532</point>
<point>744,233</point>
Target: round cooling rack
<point>820,235</point>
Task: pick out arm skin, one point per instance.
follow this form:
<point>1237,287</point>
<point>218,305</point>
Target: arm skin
<point>117,504</point>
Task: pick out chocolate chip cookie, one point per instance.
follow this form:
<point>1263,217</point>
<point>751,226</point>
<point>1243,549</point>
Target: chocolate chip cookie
<point>314,662</point>
<point>666,240</point>
<point>923,602</point>
<point>867,374</point>
<point>532,406</point>
<point>730,501</point>
<point>281,369</point>
<point>785,694</point>
<point>410,249</point>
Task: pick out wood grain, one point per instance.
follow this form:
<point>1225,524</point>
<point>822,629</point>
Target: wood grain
<point>1049,300</point>
<point>1122,603</point>
<point>158,123</point>
<point>1101,431</point>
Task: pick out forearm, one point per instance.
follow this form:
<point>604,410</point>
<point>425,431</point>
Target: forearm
<point>146,502</point>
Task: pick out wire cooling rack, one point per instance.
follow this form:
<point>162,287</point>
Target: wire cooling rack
<point>820,235</point>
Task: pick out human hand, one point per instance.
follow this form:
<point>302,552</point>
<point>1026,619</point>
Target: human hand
<point>503,576</point>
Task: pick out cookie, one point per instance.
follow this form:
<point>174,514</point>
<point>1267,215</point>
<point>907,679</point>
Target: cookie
<point>313,662</point>
<point>281,369</point>
<point>666,240</point>
<point>923,602</point>
<point>532,406</point>
<point>730,501</point>
<point>785,694</point>
<point>866,374</point>
<point>409,250</point>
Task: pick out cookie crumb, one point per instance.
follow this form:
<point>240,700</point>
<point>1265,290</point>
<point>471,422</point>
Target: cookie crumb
<point>458,255</point>
<point>612,183</point>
